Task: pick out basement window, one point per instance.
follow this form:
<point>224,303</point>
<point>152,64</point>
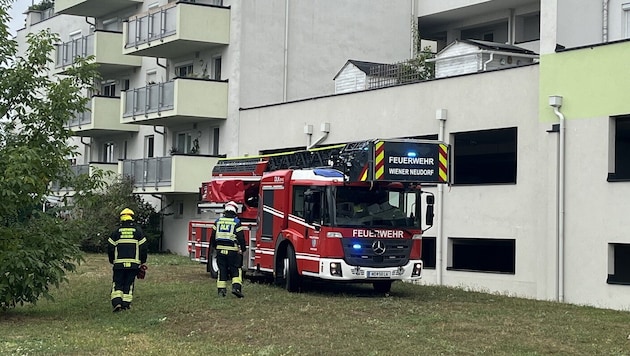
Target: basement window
<point>620,149</point>
<point>618,264</point>
<point>485,157</point>
<point>482,255</point>
<point>428,252</point>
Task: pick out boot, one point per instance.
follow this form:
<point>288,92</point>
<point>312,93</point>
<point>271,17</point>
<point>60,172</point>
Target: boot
<point>222,292</point>
<point>236,290</point>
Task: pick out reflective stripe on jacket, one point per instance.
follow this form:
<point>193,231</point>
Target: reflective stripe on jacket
<point>226,233</point>
<point>127,247</point>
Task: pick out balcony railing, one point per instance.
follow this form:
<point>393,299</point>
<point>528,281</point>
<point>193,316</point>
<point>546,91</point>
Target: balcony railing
<point>105,46</point>
<point>153,98</point>
<point>176,29</point>
<point>182,100</point>
<point>101,117</point>
<point>169,174</point>
<point>88,169</point>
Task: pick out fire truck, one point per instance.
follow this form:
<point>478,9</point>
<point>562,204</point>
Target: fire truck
<point>344,213</point>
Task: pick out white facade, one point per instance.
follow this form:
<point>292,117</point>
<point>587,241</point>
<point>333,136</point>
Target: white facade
<point>279,66</point>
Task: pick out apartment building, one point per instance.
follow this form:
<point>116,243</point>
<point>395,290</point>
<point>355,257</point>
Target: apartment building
<point>539,169</point>
<point>176,73</point>
<point>539,150</point>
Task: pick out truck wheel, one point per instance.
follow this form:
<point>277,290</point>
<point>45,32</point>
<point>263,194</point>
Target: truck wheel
<point>291,276</point>
<point>212,267</point>
<point>382,286</point>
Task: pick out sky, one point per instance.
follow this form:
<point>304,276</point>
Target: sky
<point>17,14</point>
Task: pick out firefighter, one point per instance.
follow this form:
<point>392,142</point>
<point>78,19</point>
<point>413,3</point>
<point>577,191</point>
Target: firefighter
<point>228,239</point>
<point>127,250</point>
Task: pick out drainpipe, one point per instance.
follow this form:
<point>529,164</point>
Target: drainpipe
<point>325,128</point>
<point>555,102</point>
<point>308,131</point>
<point>605,21</point>
<point>440,115</point>
<point>286,50</point>
<point>485,64</point>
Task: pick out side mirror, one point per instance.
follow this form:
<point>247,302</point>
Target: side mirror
<point>429,217</point>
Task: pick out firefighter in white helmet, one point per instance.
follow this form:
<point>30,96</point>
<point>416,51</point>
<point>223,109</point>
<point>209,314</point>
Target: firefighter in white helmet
<point>228,240</point>
<point>127,251</point>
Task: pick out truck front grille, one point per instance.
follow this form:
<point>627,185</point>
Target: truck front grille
<point>366,252</point>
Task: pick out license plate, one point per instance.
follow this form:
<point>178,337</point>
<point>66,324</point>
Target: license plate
<point>379,274</point>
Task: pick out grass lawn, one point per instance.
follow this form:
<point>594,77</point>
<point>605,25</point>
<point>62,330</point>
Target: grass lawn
<point>176,312</point>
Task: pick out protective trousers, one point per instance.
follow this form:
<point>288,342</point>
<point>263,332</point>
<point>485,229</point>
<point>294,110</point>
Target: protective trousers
<point>122,287</point>
<point>229,263</point>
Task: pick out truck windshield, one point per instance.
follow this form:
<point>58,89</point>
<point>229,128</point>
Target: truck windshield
<point>360,206</point>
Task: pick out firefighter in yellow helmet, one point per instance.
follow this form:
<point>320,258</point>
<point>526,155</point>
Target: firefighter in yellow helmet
<point>127,251</point>
<point>228,239</point>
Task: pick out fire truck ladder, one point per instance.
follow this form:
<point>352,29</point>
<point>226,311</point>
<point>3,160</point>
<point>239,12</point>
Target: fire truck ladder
<point>317,157</point>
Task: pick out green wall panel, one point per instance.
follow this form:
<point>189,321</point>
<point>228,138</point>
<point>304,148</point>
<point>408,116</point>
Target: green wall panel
<point>593,81</point>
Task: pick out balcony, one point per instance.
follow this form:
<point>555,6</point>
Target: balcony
<point>177,29</point>
<point>109,169</point>
<point>170,174</point>
<point>104,45</point>
<point>183,100</point>
<point>93,8</point>
<point>102,117</point>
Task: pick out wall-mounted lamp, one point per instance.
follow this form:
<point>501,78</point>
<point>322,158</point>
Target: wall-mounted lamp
<point>308,129</point>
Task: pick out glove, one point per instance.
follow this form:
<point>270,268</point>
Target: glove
<point>142,271</point>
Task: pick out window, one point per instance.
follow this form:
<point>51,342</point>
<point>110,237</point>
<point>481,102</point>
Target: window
<point>185,70</point>
<point>179,209</point>
<point>108,88</point>
<point>527,27</point>
<point>428,252</point>
<point>485,157</point>
<point>108,152</point>
<point>298,201</point>
<point>149,143</point>
<point>183,142</point>
<point>482,255</point>
<point>621,170</point>
<point>151,77</point>
<point>216,68</point>
<point>113,24</point>
<point>215,141</point>
<point>125,84</point>
<point>618,264</point>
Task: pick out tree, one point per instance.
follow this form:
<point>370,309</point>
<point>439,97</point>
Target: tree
<point>95,212</point>
<point>36,248</point>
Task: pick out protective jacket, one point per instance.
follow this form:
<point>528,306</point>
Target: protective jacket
<point>227,234</point>
<point>127,246</point>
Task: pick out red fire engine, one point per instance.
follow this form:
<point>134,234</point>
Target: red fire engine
<point>347,213</point>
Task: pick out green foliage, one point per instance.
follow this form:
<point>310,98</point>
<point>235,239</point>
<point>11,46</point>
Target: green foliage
<point>34,254</point>
<point>36,249</point>
<point>43,5</point>
<point>95,212</point>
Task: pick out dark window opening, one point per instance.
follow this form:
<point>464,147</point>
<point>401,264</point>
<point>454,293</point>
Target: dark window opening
<point>485,157</point>
<point>428,252</point>
<point>483,255</point>
<point>622,149</point>
<point>620,273</point>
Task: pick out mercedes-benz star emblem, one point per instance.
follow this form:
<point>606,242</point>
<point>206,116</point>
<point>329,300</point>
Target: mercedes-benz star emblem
<point>378,247</point>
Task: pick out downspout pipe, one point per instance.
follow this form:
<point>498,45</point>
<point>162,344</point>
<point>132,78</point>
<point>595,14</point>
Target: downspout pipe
<point>605,21</point>
<point>556,102</point>
<point>440,115</point>
<point>286,51</point>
